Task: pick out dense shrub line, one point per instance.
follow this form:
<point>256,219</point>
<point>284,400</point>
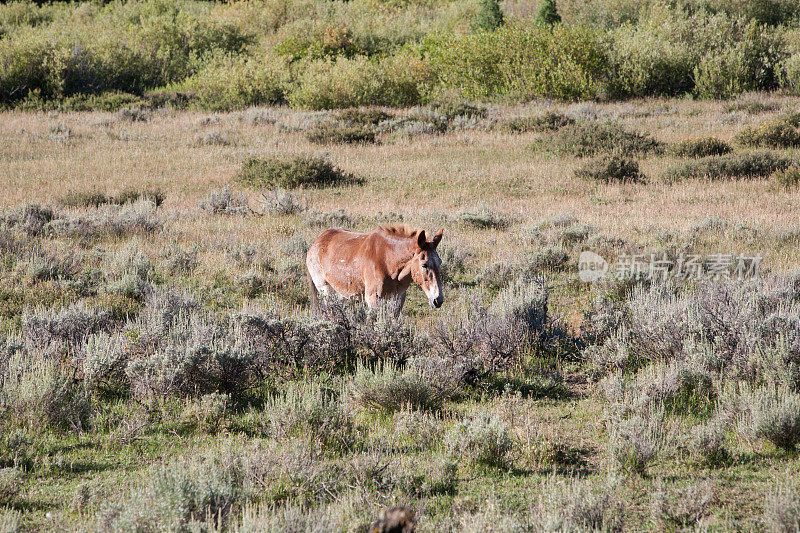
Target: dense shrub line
<point>225,57</point>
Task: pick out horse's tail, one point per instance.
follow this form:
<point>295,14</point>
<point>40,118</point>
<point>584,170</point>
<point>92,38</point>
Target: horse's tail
<point>313,293</point>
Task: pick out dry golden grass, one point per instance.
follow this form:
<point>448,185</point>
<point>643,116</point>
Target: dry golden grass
<point>421,179</point>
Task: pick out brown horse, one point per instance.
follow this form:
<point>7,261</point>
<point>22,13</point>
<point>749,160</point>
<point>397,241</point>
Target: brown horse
<point>379,265</point>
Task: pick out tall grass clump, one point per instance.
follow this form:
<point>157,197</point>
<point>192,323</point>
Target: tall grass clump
<point>298,171</point>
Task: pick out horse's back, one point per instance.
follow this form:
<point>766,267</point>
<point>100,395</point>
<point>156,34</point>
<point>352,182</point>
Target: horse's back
<point>339,242</point>
<point>337,258</point>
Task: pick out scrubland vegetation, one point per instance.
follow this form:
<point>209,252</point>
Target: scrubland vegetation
<point>160,366</point>
<point>323,55</point>
<point>165,166</point>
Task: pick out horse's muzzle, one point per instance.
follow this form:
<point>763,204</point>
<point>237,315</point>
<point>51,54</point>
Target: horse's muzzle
<point>437,302</point>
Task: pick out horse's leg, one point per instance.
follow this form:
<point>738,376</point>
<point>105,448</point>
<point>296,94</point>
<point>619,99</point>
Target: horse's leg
<point>372,295</point>
<point>397,303</point>
<point>373,288</point>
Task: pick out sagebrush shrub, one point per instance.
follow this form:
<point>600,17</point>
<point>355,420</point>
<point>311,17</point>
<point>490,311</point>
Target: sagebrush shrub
<point>53,330</point>
<point>483,218</point>
<point>280,202</point>
<point>701,147</point>
<point>609,169</point>
<point>43,395</point>
<point>590,138</point>
<point>782,507</point>
<point>708,441</point>
<point>368,116</point>
<point>781,132</point>
<point>635,442</point>
<point>682,507</point>
<point>746,165</point>
<point>310,411</point>
<point>114,220</point>
<point>776,417</point>
<point>336,219</point>
<point>481,439</point>
<point>225,201</point>
<point>184,492</point>
<point>83,199</point>
<point>299,171</point>
<point>390,389</point>
<point>573,504</point>
<point>548,121</point>
<point>337,133</point>
<point>30,218</point>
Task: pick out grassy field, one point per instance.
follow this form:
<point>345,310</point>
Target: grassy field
<point>135,395</point>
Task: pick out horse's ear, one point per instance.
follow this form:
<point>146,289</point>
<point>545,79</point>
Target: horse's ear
<point>421,239</point>
<point>437,238</point>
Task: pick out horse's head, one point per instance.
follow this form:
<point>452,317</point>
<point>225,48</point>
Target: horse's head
<point>425,268</point>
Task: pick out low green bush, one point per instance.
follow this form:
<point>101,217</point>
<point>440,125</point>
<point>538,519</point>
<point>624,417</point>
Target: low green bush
<point>298,171</point>
<point>548,121</point>
<point>730,166</point>
<point>338,133</point>
<point>482,218</point>
<point>363,116</point>
<point>389,389</point>
<point>590,138</point>
<point>781,132</point>
<point>788,178</point>
<point>611,168</point>
<point>702,147</point>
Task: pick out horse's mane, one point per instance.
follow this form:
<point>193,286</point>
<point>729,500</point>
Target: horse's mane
<point>400,230</point>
